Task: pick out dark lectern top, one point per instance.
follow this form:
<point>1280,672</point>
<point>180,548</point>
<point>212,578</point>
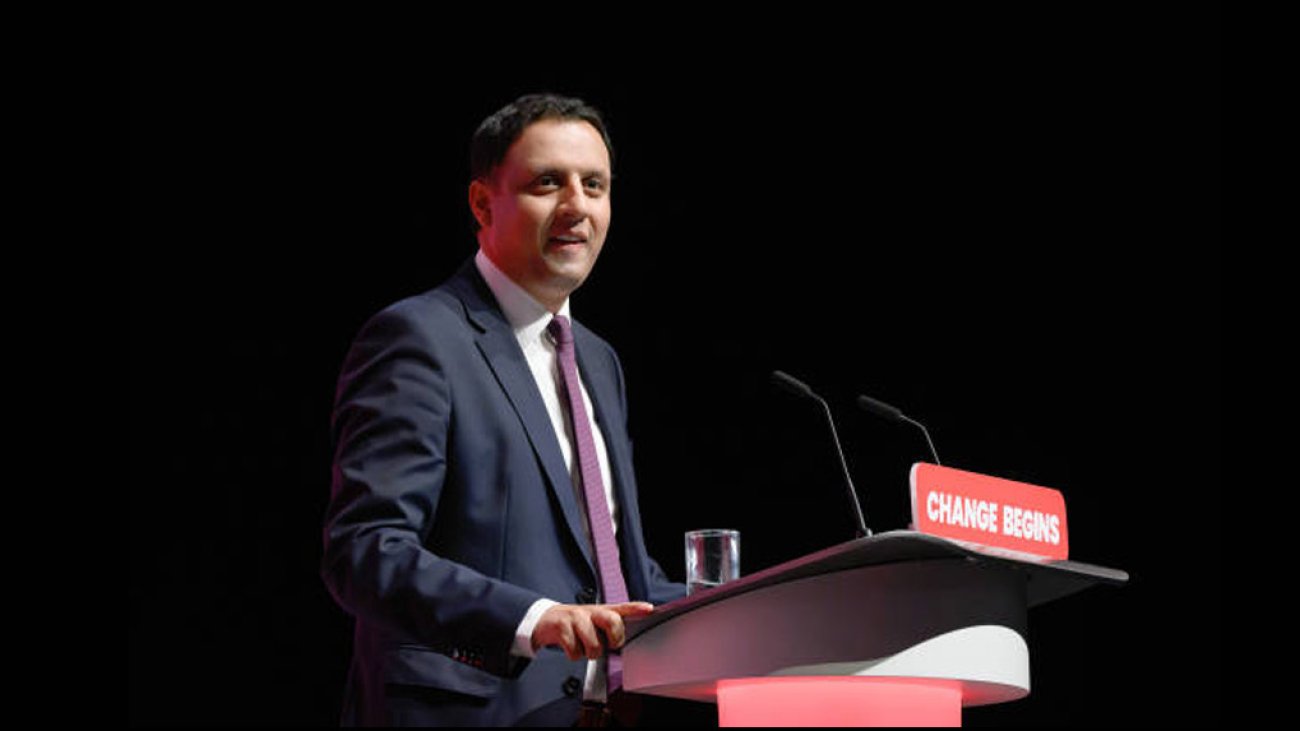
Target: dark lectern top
<point>1043,581</point>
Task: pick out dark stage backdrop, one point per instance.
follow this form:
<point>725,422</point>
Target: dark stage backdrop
<point>1003,219</point>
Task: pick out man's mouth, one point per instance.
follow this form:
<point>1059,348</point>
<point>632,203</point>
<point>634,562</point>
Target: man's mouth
<point>567,239</point>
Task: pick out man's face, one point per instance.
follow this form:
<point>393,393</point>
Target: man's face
<point>545,211</point>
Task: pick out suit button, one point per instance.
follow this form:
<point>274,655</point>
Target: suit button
<point>572,686</point>
<point>586,596</point>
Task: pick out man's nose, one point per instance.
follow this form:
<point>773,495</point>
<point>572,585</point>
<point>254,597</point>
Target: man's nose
<point>573,200</point>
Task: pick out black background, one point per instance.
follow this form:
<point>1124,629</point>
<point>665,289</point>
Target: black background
<point>1004,220</point>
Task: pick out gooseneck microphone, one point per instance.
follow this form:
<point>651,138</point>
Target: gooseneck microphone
<point>893,413</point>
<point>799,388</point>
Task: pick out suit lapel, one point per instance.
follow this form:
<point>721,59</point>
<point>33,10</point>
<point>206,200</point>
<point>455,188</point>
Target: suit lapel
<point>604,396</point>
<point>497,343</point>
<point>602,389</point>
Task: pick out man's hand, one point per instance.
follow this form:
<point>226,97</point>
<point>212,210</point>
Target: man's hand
<point>573,627</point>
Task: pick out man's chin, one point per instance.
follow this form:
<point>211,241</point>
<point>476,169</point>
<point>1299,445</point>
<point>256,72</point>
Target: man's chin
<point>566,282</point>
<point>569,271</point>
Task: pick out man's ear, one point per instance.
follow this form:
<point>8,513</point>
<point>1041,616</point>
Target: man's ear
<point>480,203</point>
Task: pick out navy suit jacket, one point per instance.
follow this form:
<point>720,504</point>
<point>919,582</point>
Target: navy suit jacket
<point>452,511</point>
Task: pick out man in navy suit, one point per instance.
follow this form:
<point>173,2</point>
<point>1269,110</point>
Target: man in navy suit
<point>457,531</point>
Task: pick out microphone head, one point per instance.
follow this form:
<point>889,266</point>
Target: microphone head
<point>791,384</point>
<point>880,408</point>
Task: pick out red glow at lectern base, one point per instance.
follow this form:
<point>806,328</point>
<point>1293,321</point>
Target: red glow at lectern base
<point>838,701</point>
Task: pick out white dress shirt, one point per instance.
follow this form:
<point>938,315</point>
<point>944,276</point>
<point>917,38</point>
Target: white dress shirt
<point>529,319</point>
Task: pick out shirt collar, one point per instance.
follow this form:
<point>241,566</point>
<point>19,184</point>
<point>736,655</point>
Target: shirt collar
<point>526,315</point>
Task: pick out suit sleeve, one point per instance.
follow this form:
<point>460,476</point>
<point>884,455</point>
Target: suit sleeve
<point>391,421</point>
<point>662,589</point>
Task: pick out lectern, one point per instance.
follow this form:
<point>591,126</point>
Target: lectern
<point>900,628</point>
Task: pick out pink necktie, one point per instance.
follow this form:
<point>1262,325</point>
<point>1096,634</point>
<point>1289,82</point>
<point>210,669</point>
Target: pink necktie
<point>593,487</point>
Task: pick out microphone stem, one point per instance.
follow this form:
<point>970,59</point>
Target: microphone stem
<point>862,530</point>
<point>926,432</point>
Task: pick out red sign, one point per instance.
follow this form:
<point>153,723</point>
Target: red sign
<point>999,516</point>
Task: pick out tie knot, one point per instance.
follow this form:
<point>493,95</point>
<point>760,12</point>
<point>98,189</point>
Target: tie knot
<point>561,331</point>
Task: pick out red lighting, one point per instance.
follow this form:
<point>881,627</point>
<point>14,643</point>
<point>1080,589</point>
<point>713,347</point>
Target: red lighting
<point>838,701</point>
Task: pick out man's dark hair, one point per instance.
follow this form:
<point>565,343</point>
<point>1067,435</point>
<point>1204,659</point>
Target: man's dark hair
<point>498,132</point>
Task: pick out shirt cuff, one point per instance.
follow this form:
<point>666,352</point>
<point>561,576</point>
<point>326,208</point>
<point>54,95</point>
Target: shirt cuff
<point>523,646</point>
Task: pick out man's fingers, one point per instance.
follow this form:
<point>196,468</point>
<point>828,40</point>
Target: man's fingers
<point>586,632</point>
<point>574,628</point>
<point>557,628</point>
<point>569,643</point>
<point>612,624</point>
<point>632,609</point>
<point>614,628</point>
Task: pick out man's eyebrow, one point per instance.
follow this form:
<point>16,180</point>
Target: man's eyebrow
<point>592,173</point>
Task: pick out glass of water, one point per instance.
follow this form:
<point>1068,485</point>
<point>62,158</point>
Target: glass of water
<point>712,558</point>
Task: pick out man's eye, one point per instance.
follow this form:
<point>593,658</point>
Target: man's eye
<point>595,184</point>
<point>547,181</point>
